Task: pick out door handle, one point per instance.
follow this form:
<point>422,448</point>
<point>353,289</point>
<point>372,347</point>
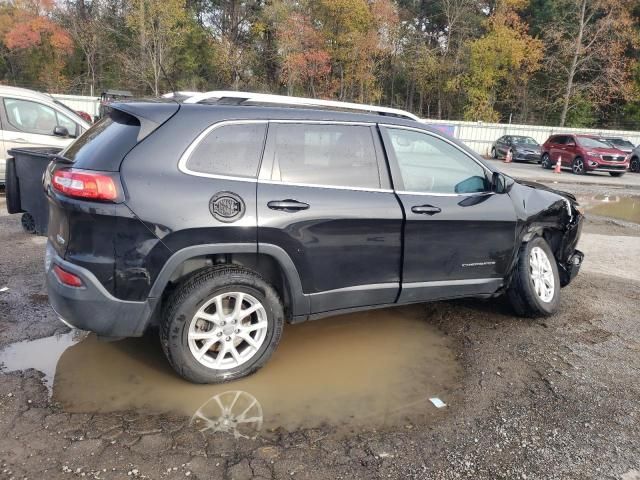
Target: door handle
<point>18,140</point>
<point>426,209</point>
<point>287,205</point>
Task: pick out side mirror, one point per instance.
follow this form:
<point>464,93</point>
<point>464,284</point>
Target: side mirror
<point>59,131</point>
<point>500,183</point>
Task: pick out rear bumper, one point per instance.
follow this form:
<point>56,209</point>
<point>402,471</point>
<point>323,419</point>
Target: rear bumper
<point>92,307</point>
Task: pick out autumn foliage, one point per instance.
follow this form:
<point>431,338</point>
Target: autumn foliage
<point>573,62</point>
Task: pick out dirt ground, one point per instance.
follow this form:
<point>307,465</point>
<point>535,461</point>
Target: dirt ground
<point>551,399</point>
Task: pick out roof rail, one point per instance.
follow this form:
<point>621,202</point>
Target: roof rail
<point>239,98</point>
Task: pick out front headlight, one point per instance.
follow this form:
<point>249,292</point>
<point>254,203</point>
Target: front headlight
<point>593,154</point>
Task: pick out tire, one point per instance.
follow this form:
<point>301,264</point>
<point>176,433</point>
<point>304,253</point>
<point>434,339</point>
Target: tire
<point>180,323</point>
<point>12,187</point>
<point>28,223</point>
<point>494,153</point>
<point>634,166</point>
<point>577,166</point>
<point>616,174</point>
<point>522,293</point>
<point>545,162</point>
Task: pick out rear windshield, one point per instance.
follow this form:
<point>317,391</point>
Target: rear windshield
<point>105,144</point>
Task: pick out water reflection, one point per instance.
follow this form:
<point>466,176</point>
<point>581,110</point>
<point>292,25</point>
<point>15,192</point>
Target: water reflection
<point>235,412</point>
<point>613,206</point>
<point>367,369</point>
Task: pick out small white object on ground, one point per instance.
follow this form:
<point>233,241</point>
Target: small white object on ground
<point>4,289</point>
<point>437,402</point>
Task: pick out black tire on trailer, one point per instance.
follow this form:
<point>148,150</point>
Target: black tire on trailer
<point>28,223</point>
<point>12,187</point>
<point>205,340</point>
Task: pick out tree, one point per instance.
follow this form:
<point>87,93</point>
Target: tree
<point>40,46</point>
<point>588,43</point>
<point>159,26</point>
<point>504,53</point>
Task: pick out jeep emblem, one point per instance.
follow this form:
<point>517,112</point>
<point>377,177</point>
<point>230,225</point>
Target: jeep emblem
<point>226,207</point>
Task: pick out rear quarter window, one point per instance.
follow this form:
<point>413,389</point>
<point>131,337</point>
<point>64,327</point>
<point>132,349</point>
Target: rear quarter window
<point>230,150</point>
<point>106,143</point>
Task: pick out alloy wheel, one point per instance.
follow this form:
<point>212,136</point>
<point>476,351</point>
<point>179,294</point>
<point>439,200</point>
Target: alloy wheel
<point>228,330</point>
<point>578,166</point>
<point>545,161</point>
<point>541,274</point>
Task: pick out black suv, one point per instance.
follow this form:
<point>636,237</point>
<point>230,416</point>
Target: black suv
<point>220,222</point>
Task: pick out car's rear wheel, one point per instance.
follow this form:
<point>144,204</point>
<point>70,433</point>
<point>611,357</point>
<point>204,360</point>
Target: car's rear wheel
<point>535,284</point>
<point>634,166</point>
<point>577,166</point>
<point>546,161</point>
<point>221,324</point>
<point>616,174</point>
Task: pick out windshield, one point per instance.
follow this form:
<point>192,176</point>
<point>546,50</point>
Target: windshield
<point>592,143</point>
<point>525,140</point>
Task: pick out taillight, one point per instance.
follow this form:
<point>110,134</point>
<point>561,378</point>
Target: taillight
<point>86,184</point>
<point>67,278</point>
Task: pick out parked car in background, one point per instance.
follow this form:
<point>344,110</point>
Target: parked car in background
<point>240,215</point>
<point>620,143</point>
<point>524,149</point>
<point>34,119</point>
<point>634,161</point>
<point>584,153</point>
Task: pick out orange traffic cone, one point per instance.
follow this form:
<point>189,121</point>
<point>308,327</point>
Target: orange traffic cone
<point>508,157</point>
<point>558,166</point>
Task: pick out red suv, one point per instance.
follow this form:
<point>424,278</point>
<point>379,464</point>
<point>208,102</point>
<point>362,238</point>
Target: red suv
<point>583,153</point>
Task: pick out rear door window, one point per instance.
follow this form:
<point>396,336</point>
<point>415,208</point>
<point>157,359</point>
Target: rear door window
<point>325,155</point>
<point>229,150</point>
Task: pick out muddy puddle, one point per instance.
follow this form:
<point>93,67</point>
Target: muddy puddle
<point>371,369</point>
<point>613,206</point>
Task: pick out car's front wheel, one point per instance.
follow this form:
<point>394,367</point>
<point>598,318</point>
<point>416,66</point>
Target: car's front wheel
<point>545,162</point>
<point>535,284</point>
<point>577,166</point>
<point>221,324</point>
<point>494,153</point>
<point>634,166</point>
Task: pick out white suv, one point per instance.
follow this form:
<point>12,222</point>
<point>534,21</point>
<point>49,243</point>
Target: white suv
<point>33,119</point>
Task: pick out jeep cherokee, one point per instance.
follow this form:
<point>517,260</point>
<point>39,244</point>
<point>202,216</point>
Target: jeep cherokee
<point>218,219</point>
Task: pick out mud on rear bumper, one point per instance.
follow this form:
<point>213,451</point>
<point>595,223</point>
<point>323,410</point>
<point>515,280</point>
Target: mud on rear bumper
<point>91,307</point>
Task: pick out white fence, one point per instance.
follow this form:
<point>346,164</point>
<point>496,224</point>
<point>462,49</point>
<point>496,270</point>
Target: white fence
<point>479,136</point>
<point>79,102</point>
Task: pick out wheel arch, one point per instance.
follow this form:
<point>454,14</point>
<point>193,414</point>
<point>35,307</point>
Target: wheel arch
<point>269,261</point>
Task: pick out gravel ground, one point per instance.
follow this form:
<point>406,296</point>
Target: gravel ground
<point>552,399</point>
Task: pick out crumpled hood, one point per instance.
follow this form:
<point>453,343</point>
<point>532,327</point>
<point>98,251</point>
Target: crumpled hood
<point>540,186</point>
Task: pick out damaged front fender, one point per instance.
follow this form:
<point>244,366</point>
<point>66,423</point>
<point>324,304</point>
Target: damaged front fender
<point>553,215</point>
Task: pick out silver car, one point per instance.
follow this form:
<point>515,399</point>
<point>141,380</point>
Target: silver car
<point>33,119</point>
